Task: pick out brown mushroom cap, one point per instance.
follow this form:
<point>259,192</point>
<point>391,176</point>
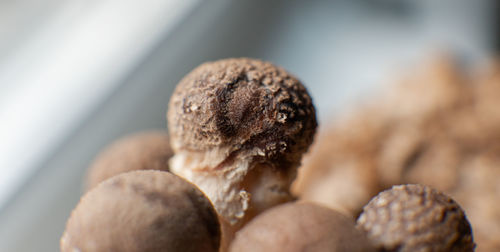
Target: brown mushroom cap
<point>416,218</point>
<point>142,211</point>
<point>238,128</point>
<point>478,193</point>
<point>339,171</point>
<point>242,103</point>
<point>300,227</point>
<point>141,151</point>
<point>439,84</point>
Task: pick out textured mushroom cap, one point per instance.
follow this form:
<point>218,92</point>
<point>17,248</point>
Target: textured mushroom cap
<point>416,218</point>
<point>142,211</point>
<point>141,151</point>
<point>300,227</point>
<point>245,104</point>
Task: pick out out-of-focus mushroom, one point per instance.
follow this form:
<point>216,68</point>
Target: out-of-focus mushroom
<point>143,211</point>
<point>438,85</point>
<point>339,171</point>
<point>387,140</point>
<point>295,227</point>
<point>478,193</point>
<point>148,150</point>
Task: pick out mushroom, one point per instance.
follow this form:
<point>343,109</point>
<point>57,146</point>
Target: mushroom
<point>416,218</point>
<point>238,129</point>
<point>339,171</point>
<point>301,226</point>
<point>420,153</point>
<point>478,193</point>
<point>437,85</point>
<point>148,150</point>
<point>142,211</point>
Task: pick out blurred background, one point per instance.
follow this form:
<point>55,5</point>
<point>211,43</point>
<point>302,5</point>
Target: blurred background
<point>75,75</point>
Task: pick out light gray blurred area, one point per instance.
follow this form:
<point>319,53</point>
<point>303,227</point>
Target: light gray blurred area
<point>342,51</point>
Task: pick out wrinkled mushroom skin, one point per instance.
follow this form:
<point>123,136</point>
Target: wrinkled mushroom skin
<point>143,211</point>
<point>235,123</point>
<point>148,150</point>
<point>244,104</point>
<point>416,218</point>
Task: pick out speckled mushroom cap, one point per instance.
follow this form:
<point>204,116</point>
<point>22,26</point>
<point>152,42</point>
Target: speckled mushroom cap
<point>416,218</point>
<point>149,150</point>
<point>142,211</point>
<point>295,227</point>
<point>238,128</point>
<point>243,103</point>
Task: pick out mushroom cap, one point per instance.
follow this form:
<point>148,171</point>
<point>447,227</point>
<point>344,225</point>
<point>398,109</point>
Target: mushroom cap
<point>148,150</point>
<point>421,153</point>
<point>478,193</point>
<point>439,84</point>
<point>142,211</point>
<point>243,104</point>
<point>416,218</point>
<point>339,171</point>
<point>300,227</point>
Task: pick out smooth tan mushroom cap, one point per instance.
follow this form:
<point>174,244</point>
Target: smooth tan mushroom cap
<point>296,227</point>
<point>478,193</point>
<point>340,169</point>
<point>142,211</point>
<point>148,150</point>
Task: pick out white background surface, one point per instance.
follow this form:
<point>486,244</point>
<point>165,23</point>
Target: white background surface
<point>95,71</point>
<point>67,66</point>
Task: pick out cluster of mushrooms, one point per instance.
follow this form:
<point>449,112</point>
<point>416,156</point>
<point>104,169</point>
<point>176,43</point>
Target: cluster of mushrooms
<point>226,177</point>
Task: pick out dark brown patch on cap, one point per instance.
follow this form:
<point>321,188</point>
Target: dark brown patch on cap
<point>242,103</point>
